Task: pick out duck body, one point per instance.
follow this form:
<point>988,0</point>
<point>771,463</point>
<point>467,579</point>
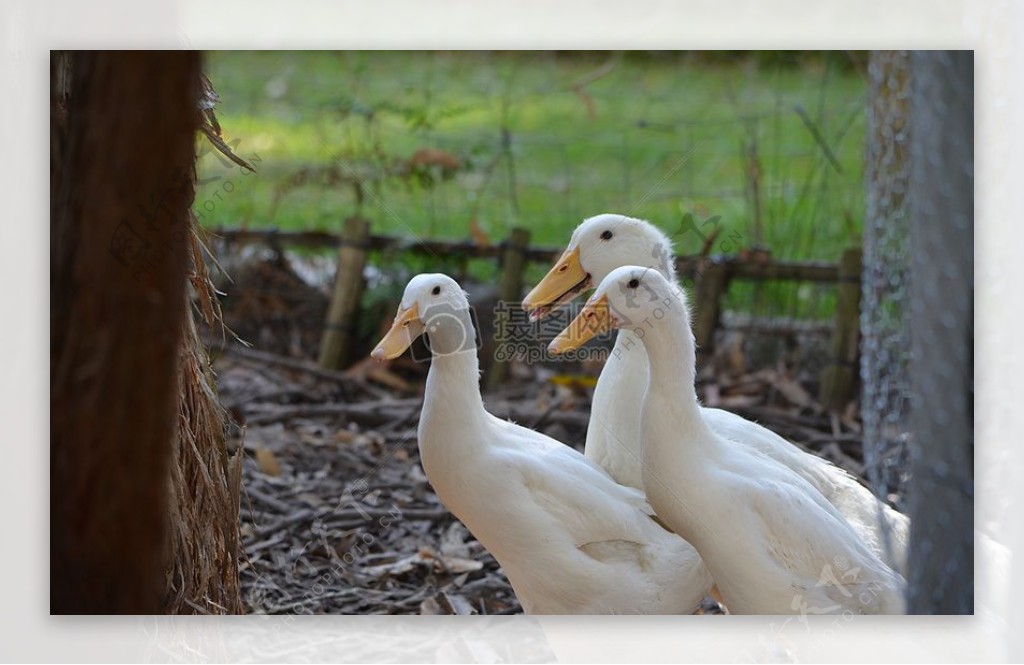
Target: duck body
<point>614,435</point>
<point>772,541</point>
<point>570,539</point>
<point>604,243</point>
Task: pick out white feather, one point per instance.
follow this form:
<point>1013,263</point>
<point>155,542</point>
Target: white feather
<point>613,438</point>
<point>773,543</point>
<point>570,539</point>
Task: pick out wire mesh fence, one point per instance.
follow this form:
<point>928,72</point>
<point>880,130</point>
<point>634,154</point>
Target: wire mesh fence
<point>472,145</point>
<point>885,345</point>
<point>917,319</point>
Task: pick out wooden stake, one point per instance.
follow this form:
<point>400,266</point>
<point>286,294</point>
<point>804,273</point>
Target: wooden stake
<point>510,291</point>
<point>712,280</point>
<point>839,376</point>
<point>336,343</point>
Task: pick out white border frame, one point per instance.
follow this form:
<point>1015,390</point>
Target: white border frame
<point>29,28</point>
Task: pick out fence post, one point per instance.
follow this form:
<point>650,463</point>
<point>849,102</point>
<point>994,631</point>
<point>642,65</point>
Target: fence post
<point>839,376</point>
<point>510,291</point>
<point>711,281</point>
<point>336,343</point>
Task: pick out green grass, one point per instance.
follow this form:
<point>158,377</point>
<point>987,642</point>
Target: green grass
<point>662,136</point>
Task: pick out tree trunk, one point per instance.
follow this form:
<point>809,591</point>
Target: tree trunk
<point>206,478</point>
<point>121,186</point>
<point>941,196</point>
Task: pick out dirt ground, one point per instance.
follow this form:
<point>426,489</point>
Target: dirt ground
<point>337,515</point>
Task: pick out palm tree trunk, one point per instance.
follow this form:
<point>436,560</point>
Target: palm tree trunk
<point>122,159</point>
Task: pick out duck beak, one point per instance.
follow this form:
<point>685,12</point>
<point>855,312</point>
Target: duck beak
<point>562,283</point>
<point>404,331</point>
<point>595,318</point>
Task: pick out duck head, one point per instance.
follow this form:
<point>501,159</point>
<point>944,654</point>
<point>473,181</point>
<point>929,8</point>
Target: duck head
<point>432,303</point>
<point>597,247</point>
<point>633,297</point>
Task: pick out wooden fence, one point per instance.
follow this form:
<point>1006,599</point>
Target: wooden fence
<point>711,277</point>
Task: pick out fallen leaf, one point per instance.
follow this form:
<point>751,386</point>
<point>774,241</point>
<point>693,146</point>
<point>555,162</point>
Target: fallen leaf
<point>310,439</point>
<point>434,157</point>
<point>738,401</point>
<point>480,238</point>
<point>453,541</point>
<point>311,499</point>
<point>400,567</point>
<point>458,565</point>
<point>574,381</point>
<point>793,392</point>
<point>268,462</point>
<point>446,603</point>
<point>459,604</point>
<point>430,607</point>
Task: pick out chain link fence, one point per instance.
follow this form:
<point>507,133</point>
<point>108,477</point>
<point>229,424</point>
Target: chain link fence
<point>475,144</point>
<point>885,343</point>
<point>918,308</point>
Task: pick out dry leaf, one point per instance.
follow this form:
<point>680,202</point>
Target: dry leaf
<point>738,401</point>
<point>344,436</point>
<point>793,392</point>
<point>480,238</point>
<point>446,603</point>
<point>399,567</point>
<point>430,607</point>
<point>458,565</point>
<point>311,438</point>
<point>426,157</point>
<point>311,499</point>
<point>459,604</point>
<point>574,381</point>
<point>453,541</point>
<point>268,462</point>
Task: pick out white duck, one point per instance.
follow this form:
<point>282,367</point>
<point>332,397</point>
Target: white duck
<point>597,247</point>
<point>770,539</point>
<point>570,539</point>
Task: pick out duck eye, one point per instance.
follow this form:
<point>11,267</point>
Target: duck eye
<point>633,283</point>
<point>437,290</point>
<point>606,235</point>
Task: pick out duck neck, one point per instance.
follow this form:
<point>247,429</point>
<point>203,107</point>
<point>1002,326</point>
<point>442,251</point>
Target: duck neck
<point>453,382</point>
<point>628,349</point>
<point>672,359</point>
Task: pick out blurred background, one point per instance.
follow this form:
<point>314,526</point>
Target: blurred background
<point>462,145</point>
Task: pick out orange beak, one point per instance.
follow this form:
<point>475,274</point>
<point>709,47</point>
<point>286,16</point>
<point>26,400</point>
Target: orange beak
<point>562,283</point>
<point>404,331</point>
<point>595,318</point>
